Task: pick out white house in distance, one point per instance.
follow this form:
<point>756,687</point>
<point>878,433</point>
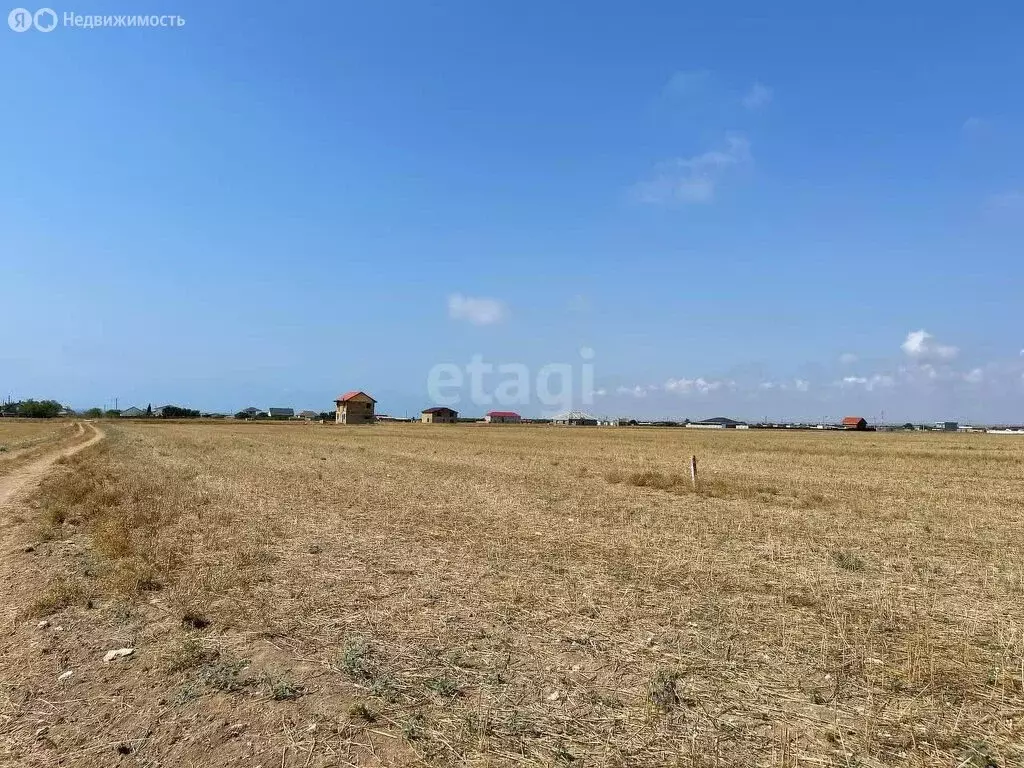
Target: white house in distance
<point>502,417</point>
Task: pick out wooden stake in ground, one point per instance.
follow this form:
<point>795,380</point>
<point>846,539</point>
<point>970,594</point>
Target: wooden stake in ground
<point>693,471</point>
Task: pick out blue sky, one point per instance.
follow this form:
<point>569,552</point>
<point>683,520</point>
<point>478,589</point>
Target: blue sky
<point>753,211</point>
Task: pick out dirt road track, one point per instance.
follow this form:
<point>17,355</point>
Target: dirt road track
<point>24,478</point>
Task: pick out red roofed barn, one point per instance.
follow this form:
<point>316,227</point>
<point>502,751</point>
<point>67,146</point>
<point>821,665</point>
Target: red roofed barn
<point>855,422</point>
<point>354,408</point>
<point>503,417</point>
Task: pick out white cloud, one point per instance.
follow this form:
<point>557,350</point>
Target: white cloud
<point>638,391</point>
<point>870,383</point>
<point>694,179</point>
<point>476,310</point>
<point>766,385</point>
<point>802,385</point>
<point>848,358</point>
<point>921,345</point>
<point>700,386</point>
<point>975,376</point>
<point>758,96</point>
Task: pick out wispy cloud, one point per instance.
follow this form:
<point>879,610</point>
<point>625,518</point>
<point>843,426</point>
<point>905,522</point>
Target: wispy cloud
<point>687,83</point>
<point>476,310</point>
<point>974,376</point>
<point>638,391</point>
<point>1011,201</point>
<point>848,358</point>
<point>694,179</point>
<point>700,386</point>
<point>870,383</point>
<point>976,127</point>
<point>579,304</point>
<point>757,97</point>
<point>921,345</point>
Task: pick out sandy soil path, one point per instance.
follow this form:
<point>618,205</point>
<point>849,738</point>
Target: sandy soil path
<point>24,478</point>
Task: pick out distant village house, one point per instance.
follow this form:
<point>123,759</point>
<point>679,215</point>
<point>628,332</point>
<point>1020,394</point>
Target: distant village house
<point>280,413</point>
<point>502,417</point>
<point>439,415</point>
<point>354,408</point>
<point>855,423</point>
<point>575,419</point>
<point>718,422</point>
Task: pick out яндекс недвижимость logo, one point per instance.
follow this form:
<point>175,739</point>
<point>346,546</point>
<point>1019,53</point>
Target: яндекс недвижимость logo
<point>22,20</point>
<point>46,20</point>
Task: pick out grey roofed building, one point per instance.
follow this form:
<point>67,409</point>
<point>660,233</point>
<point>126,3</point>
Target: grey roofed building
<point>309,415</point>
<point>279,413</point>
<point>718,422</point>
<point>132,413</point>
<point>575,419</point>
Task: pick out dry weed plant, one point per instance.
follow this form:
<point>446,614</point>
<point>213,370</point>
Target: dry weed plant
<point>319,595</point>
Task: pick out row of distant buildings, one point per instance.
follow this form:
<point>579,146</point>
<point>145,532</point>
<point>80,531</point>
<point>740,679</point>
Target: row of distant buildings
<point>358,407</point>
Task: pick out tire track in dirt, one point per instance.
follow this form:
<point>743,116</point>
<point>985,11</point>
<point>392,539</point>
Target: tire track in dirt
<point>22,479</point>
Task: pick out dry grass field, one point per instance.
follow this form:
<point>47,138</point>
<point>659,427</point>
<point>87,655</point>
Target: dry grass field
<point>307,595</point>
<point>23,439</point>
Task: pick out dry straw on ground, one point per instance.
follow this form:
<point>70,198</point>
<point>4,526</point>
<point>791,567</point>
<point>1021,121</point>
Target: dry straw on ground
<point>323,596</point>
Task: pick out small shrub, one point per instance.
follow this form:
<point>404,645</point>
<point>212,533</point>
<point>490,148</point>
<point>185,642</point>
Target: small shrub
<point>192,654</point>
<point>412,726</point>
<point>661,692</point>
<point>848,561</point>
<point>228,676</point>
<point>60,594</point>
<point>283,689</point>
<point>355,660</point>
<point>444,686</point>
<point>385,687</point>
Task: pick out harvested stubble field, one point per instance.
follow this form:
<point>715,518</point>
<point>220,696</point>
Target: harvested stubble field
<point>414,595</point>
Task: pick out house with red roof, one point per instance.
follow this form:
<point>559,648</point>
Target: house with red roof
<point>856,423</point>
<point>354,408</point>
<point>502,417</point>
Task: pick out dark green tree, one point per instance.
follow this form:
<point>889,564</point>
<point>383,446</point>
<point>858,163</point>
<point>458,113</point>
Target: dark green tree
<point>177,412</point>
<point>39,409</point>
